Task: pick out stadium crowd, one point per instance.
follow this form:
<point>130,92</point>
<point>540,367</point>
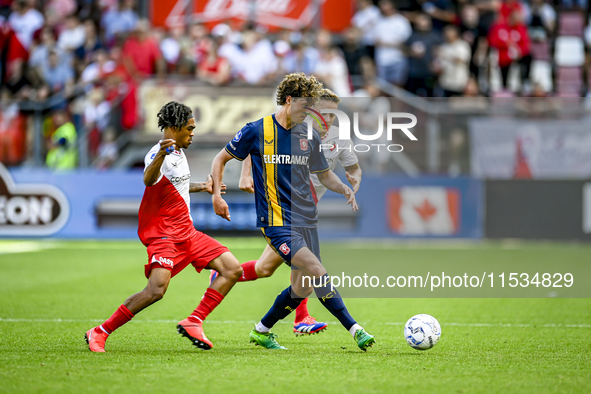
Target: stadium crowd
<point>95,54</point>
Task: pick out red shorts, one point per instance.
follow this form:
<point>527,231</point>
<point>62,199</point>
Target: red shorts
<point>199,250</point>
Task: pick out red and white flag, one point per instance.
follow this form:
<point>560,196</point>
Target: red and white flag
<point>424,210</point>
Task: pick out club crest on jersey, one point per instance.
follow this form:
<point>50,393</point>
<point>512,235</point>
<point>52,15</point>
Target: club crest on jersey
<point>237,136</point>
<point>303,144</point>
<point>284,249</point>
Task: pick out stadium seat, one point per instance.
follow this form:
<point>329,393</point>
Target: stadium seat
<point>568,88</point>
<point>540,50</point>
<point>569,51</point>
<point>569,74</point>
<point>569,80</point>
<point>571,24</point>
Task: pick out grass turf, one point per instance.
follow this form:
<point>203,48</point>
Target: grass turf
<point>54,291</point>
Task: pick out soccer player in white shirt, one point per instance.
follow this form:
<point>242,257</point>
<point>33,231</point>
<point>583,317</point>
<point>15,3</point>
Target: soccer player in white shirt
<point>166,229</point>
<point>335,151</point>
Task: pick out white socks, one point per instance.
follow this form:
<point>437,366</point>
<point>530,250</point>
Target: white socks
<point>260,327</point>
<point>354,329</point>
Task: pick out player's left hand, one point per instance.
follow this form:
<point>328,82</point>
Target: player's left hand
<point>209,185</point>
<point>220,207</point>
<point>353,181</point>
<point>348,193</point>
<point>246,184</point>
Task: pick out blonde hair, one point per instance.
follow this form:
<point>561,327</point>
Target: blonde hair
<point>298,85</point>
<point>329,95</point>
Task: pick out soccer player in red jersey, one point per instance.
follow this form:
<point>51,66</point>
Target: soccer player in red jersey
<point>166,229</point>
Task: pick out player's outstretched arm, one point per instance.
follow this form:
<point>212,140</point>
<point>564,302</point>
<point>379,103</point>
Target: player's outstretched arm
<point>246,182</point>
<point>333,183</point>
<point>220,207</point>
<point>207,186</point>
<point>152,172</point>
<point>354,176</point>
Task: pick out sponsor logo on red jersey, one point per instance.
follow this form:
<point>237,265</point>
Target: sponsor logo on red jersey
<point>163,261</point>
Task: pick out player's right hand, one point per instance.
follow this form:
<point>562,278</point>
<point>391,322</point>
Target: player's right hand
<point>246,184</point>
<point>167,146</point>
<point>353,181</point>
<point>220,207</point>
<point>348,193</point>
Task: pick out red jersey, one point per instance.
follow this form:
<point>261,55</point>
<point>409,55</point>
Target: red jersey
<point>512,42</point>
<point>144,54</point>
<point>212,67</point>
<point>164,211</point>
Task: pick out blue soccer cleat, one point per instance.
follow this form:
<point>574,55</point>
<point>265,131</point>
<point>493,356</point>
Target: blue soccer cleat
<point>308,326</point>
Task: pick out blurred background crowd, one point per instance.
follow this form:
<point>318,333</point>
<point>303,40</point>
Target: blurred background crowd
<point>78,64</point>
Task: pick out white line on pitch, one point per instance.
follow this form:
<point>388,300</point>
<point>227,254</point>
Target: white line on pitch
<point>9,320</point>
<point>24,247</point>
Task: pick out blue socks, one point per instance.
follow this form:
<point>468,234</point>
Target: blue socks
<point>285,303</point>
<point>331,300</point>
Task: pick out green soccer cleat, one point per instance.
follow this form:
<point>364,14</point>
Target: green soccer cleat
<point>265,339</point>
<point>364,340</point>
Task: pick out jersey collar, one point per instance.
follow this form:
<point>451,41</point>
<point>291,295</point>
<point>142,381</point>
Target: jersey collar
<point>281,127</point>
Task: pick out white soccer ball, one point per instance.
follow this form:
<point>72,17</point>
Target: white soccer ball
<point>422,331</point>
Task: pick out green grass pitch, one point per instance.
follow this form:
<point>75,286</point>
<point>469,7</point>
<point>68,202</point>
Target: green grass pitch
<point>53,291</point>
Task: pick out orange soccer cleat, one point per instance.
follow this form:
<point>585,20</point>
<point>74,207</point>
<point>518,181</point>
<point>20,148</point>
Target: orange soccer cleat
<point>96,342</point>
<point>194,331</point>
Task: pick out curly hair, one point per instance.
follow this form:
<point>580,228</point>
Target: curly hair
<point>329,95</point>
<point>174,115</point>
<point>298,85</point>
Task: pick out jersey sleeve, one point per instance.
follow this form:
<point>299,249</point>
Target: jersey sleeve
<point>318,161</point>
<point>347,156</point>
<point>242,143</point>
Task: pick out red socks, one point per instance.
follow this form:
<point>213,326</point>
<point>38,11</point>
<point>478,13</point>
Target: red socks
<point>302,311</point>
<point>248,273</point>
<point>210,300</point>
<point>119,318</point>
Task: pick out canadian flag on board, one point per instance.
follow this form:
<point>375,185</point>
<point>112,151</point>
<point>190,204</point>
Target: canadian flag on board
<point>424,210</point>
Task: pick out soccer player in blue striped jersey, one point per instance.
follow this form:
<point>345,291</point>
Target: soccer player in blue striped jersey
<point>339,151</point>
<point>282,160</point>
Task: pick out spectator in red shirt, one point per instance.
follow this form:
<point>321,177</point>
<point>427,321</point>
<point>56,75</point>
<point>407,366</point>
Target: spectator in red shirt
<point>511,39</point>
<point>508,6</point>
<point>121,85</point>
<point>213,68</point>
<point>142,54</point>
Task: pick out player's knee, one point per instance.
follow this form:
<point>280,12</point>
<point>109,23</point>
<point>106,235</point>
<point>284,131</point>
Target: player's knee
<point>236,272</point>
<point>231,269</point>
<point>156,294</point>
<point>265,272</point>
<point>303,292</point>
<point>316,270</point>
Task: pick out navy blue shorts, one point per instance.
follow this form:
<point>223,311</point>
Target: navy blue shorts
<point>287,241</point>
